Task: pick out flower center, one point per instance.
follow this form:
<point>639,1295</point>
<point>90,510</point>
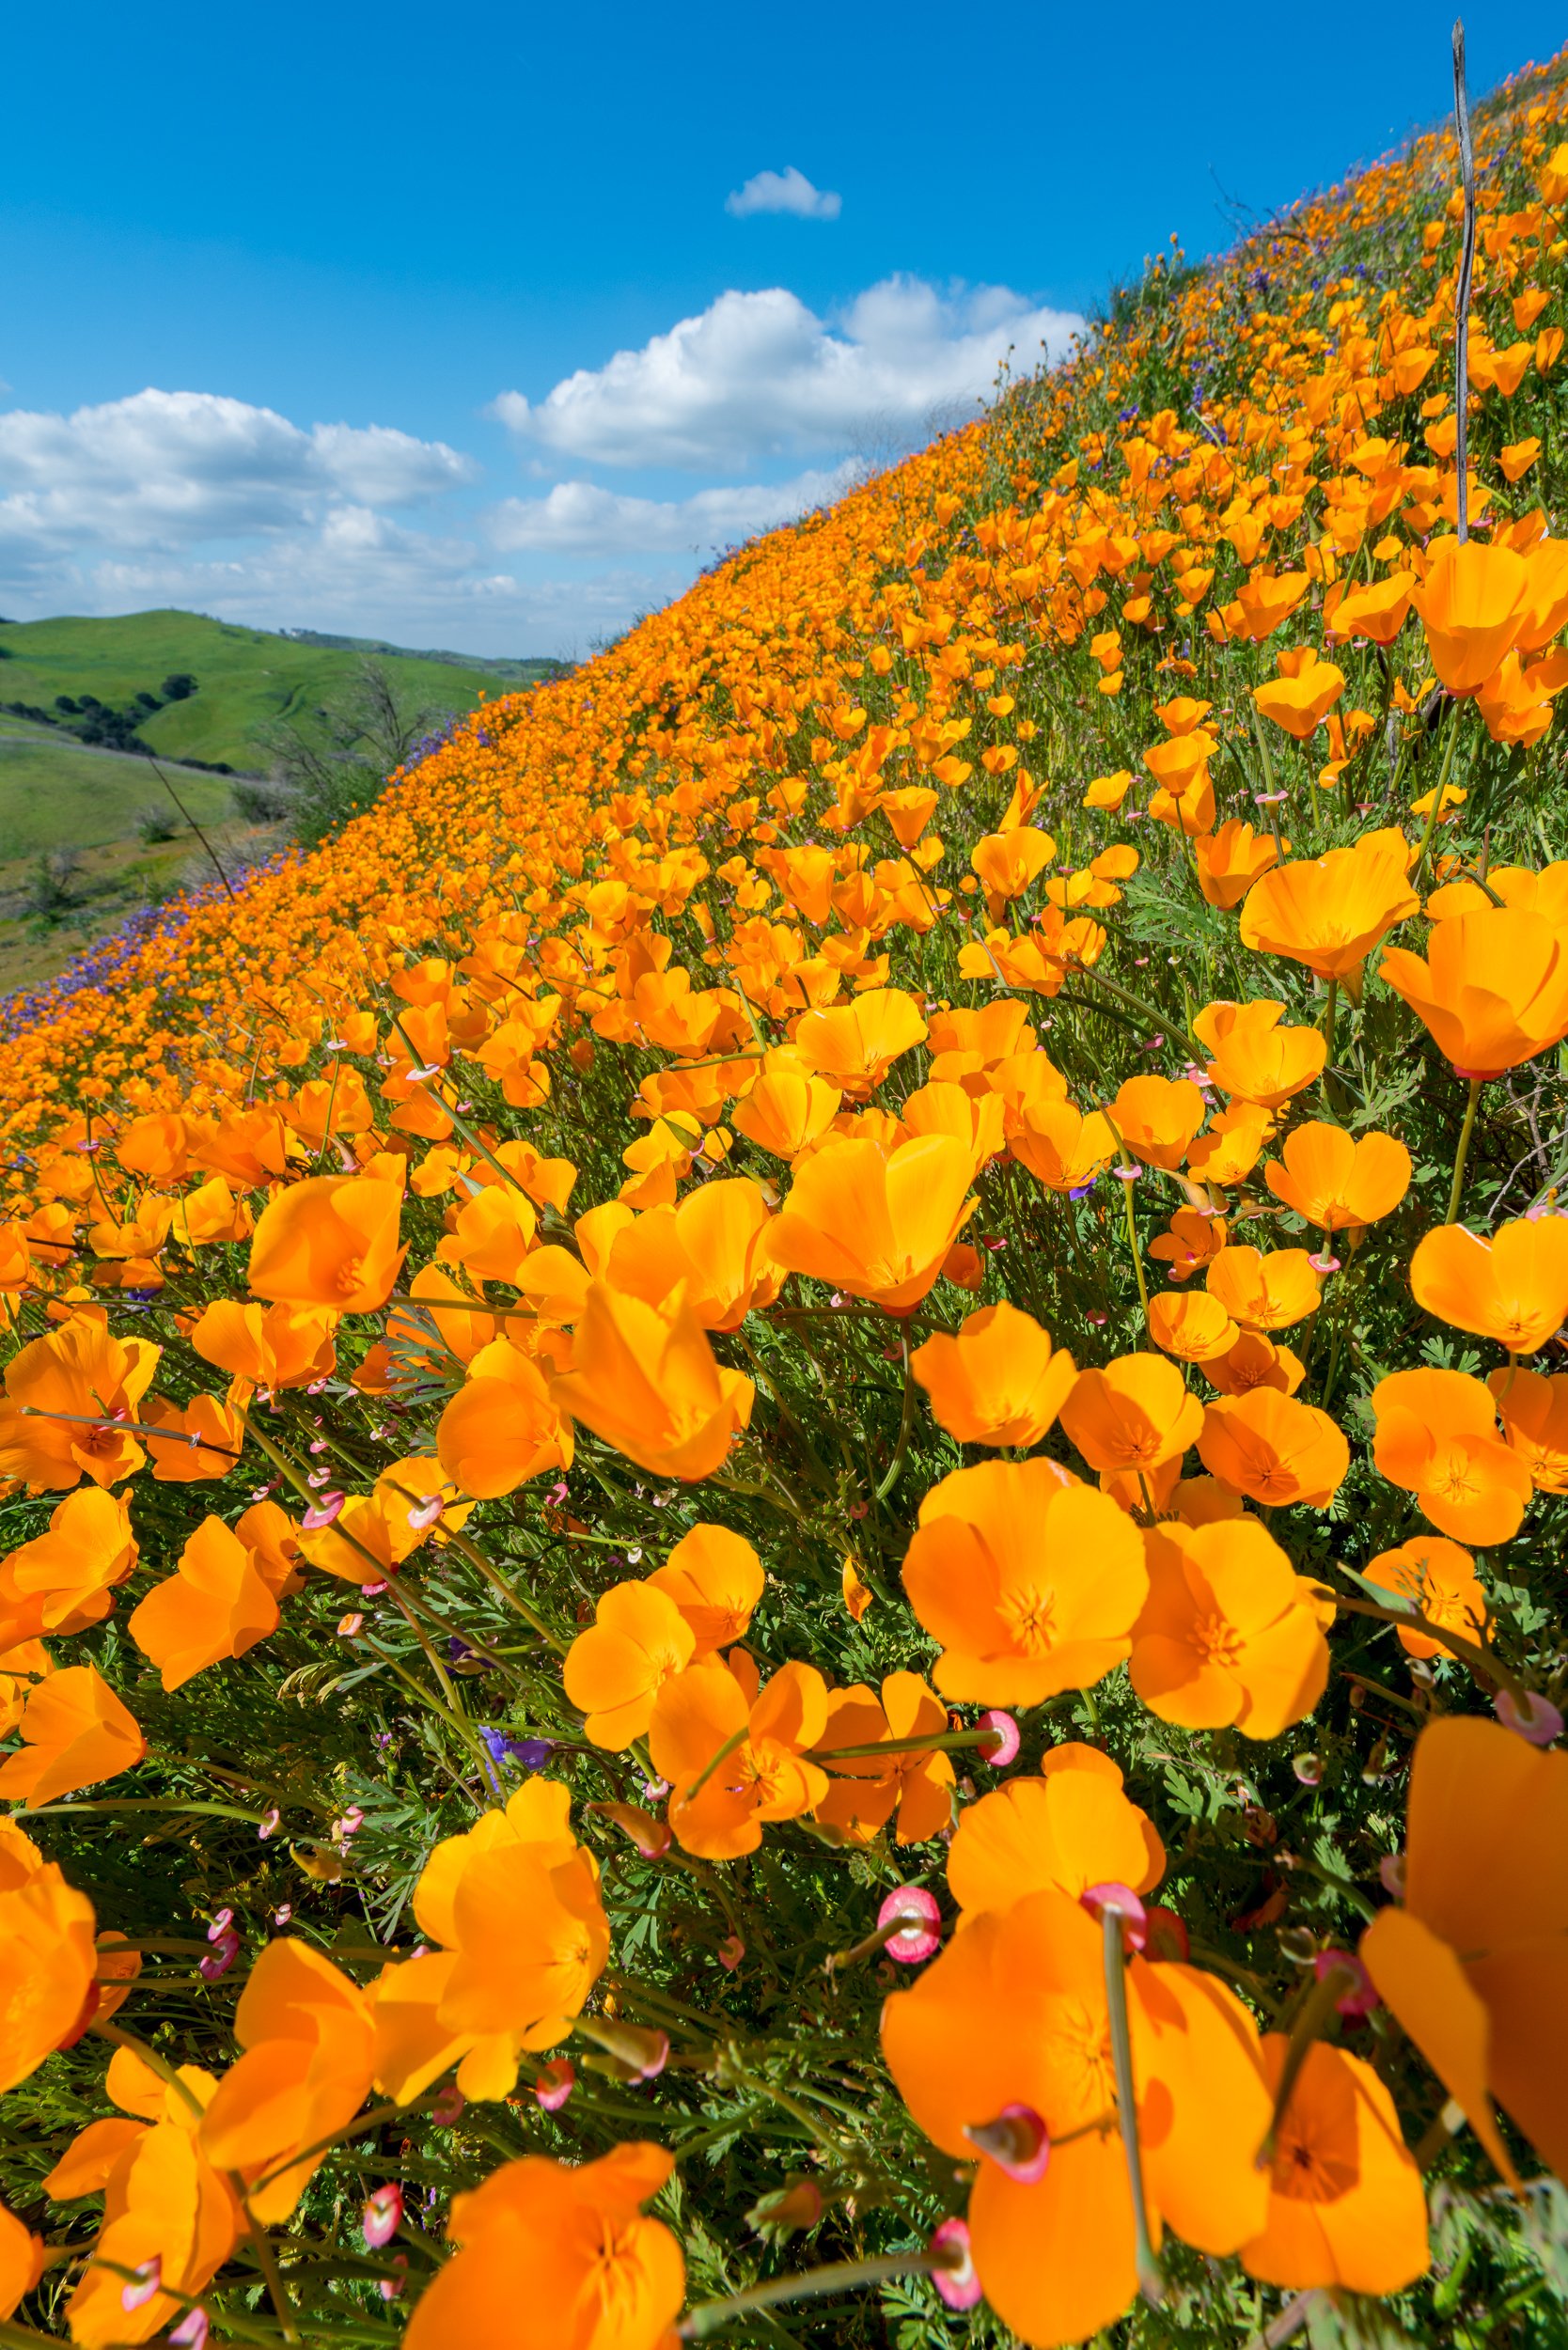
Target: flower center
<point>1031,1617</point>
<point>1216,1641</point>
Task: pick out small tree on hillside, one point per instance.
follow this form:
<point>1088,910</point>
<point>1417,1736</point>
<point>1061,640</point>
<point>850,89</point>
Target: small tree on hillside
<point>330,764</point>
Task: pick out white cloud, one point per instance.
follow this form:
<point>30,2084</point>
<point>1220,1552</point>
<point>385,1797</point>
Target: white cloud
<point>580,518</point>
<point>786,191</point>
<point>760,375</point>
<point>174,467</point>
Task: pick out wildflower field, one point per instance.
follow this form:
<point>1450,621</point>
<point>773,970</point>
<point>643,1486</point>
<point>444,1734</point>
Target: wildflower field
<point>782,1480</point>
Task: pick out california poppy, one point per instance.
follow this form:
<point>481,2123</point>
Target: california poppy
<point>74,1733</point>
<point>1228,1633</point>
<point>1472,601</point>
<point>64,1579</point>
<point>1437,1437</point>
<point>1264,1289</point>
<point>614,1670</point>
<point>1511,1288</point>
<point>1134,1414</point>
<point>309,2039</point>
<point>876,1223</point>
<point>1439,1578</point>
<point>1261,1442</point>
<point>1256,1060</point>
<point>1336,1180</point>
<point>1346,2205</point>
<point>644,1378</point>
<point>1072,1827</point>
<point>1330,912</point>
<point>999,1382</point>
<point>910,1791</point>
<point>504,1425</point>
<point>47,1958</point>
<point>714,1579</point>
<point>1493,990</point>
<point>329,1241</point>
<point>737,1755</point>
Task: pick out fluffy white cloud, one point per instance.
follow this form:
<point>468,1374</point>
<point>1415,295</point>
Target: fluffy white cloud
<point>786,191</point>
<point>760,375</point>
<point>580,518</point>
<point>170,468</point>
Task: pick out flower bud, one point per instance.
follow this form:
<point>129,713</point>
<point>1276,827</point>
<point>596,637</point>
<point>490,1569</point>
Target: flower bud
<point>1357,1997</point>
<point>554,2083</point>
<point>952,2270</point>
<point>1098,1898</point>
<point>1017,2141</point>
<point>383,2214</point>
<point>1532,1717</point>
<point>1006,1740</point>
<point>922,1934</point>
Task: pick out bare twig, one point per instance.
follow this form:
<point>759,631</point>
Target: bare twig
<point>1462,287</point>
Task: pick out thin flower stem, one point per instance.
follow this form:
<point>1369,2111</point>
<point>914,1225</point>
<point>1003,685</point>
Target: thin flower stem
<point>840,2276</point>
<point>1330,1011</point>
<point>1462,286</point>
<point>906,1422</point>
<point>1150,2281</point>
<point>498,1583</point>
<point>1465,1131</point>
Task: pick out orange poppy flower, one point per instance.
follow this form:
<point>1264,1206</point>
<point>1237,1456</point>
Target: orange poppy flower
<point>1301,697</point>
<point>1534,1414</point>
<point>492,1233</point>
<point>715,1578</point>
<point>912,1791</point>
<point>1336,1180</point>
<point>47,1958</point>
<point>1437,1437</point>
<point>215,1606</point>
<point>999,1382</point>
<point>23,2257</point>
<point>599,2275</point>
<point>166,2210</point>
<point>1069,1828</point>
<point>1065,1150</point>
<point>786,1109</point>
<point>1265,1290</point>
<point>717,1807</point>
<point>514,1904</point>
<point>1346,2205</point>
<point>1475,1965</point>
<point>714,1241</point>
<point>74,1733</point>
<point>877,1224</point>
<point>1134,1414</point>
<point>1255,1060</point>
<point>1156,1118</point>
<point>329,1241</point>
<point>373,1533</point>
<point>504,1425</point>
<point>1228,1633</point>
<point>1030,1582</point>
<point>1440,1579</point>
<point>1255,1361</point>
<point>1512,1288</point>
<point>1192,1325</point>
<point>1330,912</point>
<point>64,1393</point>
<point>644,1378</point>
<point>613,1672</point>
<point>308,2035</point>
<point>1010,863</point>
<point>1264,1444</point>
<point>1229,1151</point>
<point>61,1581</point>
<point>854,1045</point>
<point>1493,990</point>
<point>272,1346</point>
<point>1002,2046</point>
<point>1375,612</point>
<point>1472,603</point>
<point>1230,860</point>
<point>1191,1241</point>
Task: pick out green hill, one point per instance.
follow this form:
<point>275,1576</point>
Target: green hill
<point>245,676</point>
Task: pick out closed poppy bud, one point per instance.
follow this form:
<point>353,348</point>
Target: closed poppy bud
<point>999,1382</point>
<point>1264,1444</point>
<point>1512,1288</point>
<point>329,1241</point>
<point>1134,1414</point>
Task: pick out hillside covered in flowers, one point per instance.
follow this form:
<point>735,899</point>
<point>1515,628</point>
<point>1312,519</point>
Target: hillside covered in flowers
<point>782,1521</point>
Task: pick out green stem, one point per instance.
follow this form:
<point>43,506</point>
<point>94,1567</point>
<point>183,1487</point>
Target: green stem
<point>1149,2276</point>
<point>906,1422</point>
<point>1465,1131</point>
<point>498,1583</point>
<point>1330,1012</point>
<point>840,2276</point>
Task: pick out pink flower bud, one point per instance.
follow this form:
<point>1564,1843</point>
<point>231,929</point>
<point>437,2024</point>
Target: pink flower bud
<point>554,2083</point>
<point>1390,1872</point>
<point>1537,1718</point>
<point>1006,1740</point>
<point>149,2281</point>
<point>390,2287</point>
<point>922,1934</point>
<point>324,1510</point>
<point>383,2214</point>
<point>1358,1997</point>
<point>426,1514</point>
<point>447,2107</point>
<point>212,1969</point>
<point>190,2332</point>
<point>1017,2141</point>
<point>1098,1898</point>
<point>953,2271</point>
<point>731,1953</point>
<point>268,1824</point>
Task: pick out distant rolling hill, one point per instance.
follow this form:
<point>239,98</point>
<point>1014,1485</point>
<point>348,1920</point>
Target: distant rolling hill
<point>245,676</point>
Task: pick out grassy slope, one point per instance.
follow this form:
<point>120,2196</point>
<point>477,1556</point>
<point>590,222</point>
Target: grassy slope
<point>55,792</point>
<point>245,677</point>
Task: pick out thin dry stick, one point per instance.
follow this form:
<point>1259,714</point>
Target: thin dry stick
<point>195,828</point>
<point>1462,287</point>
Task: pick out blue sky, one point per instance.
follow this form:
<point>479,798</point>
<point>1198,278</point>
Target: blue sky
<point>368,245</point>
